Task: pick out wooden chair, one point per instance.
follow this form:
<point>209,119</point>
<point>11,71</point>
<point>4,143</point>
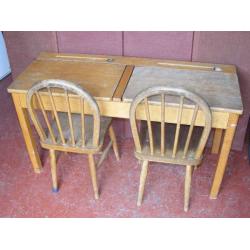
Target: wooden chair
<point>68,131</point>
<point>169,143</point>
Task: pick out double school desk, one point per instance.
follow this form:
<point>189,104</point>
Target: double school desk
<point>115,80</point>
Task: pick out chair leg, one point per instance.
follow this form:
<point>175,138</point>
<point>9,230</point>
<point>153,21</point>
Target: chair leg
<point>92,169</point>
<point>114,142</point>
<point>53,170</point>
<point>143,177</point>
<point>187,186</point>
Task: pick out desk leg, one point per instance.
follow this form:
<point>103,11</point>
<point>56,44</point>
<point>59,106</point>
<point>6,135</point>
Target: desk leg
<point>27,134</point>
<point>225,149</point>
<point>217,140</point>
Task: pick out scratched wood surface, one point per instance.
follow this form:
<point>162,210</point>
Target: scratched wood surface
<point>99,79</point>
<point>219,89</point>
<point>136,61</point>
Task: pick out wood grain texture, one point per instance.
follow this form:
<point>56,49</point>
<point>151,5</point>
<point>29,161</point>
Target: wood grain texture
<point>99,79</point>
<point>65,132</point>
<point>150,132</point>
<point>177,131</point>
<point>92,170</point>
<point>123,83</point>
<point>220,90</point>
<point>188,179</point>
<point>217,141</point>
<point>149,139</point>
<point>162,124</point>
<point>225,150</point>
<point>114,142</point>
<point>108,107</point>
<point>136,61</point>
<point>51,133</point>
<point>190,131</point>
<point>143,176</point>
<point>24,122</point>
<point>53,169</point>
<point>121,110</point>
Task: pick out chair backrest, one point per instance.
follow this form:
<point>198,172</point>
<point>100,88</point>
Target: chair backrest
<point>197,103</point>
<point>50,89</point>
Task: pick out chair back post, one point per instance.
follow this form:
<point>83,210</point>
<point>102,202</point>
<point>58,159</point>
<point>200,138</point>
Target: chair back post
<point>67,87</point>
<point>163,92</point>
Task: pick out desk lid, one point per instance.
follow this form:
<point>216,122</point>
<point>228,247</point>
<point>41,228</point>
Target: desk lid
<point>220,90</point>
<point>99,79</point>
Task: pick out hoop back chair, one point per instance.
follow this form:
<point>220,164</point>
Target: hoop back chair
<point>69,131</point>
<point>181,143</point>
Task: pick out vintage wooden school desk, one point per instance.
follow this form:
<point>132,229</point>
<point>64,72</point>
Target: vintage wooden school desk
<point>115,80</point>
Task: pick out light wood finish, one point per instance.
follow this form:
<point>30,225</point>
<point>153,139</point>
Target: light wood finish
<point>92,170</point>
<point>210,85</point>
<point>136,61</point>
<point>114,142</point>
<point>143,176</point>
<point>184,94</point>
<point>104,154</point>
<point>46,117</point>
<point>69,132</point>
<point>102,75</point>
<point>83,122</point>
<point>190,131</point>
<point>23,118</point>
<point>162,124</point>
<point>53,170</point>
<point>225,150</point>
<point>177,150</point>
<point>70,120</point>
<point>79,92</point>
<point>123,83</point>
<point>121,110</point>
<point>36,121</point>
<point>100,79</point>
<point>150,133</point>
<point>188,178</point>
<point>177,132</point>
<point>217,141</point>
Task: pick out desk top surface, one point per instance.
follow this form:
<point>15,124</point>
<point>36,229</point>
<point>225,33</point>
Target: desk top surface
<point>99,79</point>
<point>219,89</point>
<point>121,78</point>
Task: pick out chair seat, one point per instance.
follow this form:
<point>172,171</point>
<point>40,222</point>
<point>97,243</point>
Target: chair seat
<point>77,128</point>
<point>169,143</point>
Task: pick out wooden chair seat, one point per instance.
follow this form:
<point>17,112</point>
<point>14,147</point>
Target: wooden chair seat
<point>77,128</point>
<point>167,157</point>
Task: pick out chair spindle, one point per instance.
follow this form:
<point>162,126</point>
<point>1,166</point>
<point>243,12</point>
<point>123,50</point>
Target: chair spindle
<point>45,117</point>
<point>177,132</point>
<point>162,124</point>
<point>83,121</point>
<point>150,133</point>
<point>70,118</point>
<point>190,131</point>
<point>37,124</point>
<point>56,116</point>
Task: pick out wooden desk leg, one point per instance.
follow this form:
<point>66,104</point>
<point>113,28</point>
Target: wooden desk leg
<point>27,134</point>
<point>217,140</point>
<point>225,149</point>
